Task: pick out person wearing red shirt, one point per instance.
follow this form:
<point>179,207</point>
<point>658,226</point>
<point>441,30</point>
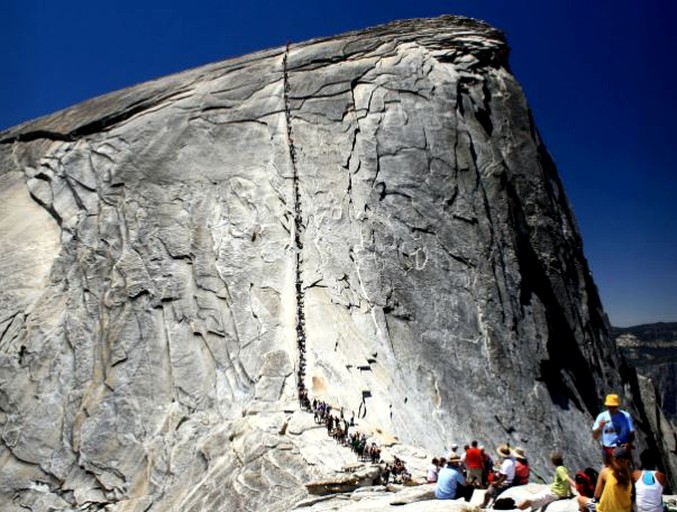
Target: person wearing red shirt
<point>522,469</point>
<point>474,464</point>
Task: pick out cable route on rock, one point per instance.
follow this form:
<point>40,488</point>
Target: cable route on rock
<point>298,244</point>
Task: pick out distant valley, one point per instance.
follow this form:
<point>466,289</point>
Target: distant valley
<point>652,350</point>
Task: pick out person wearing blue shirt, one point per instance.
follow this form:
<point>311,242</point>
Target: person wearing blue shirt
<point>448,480</point>
<point>613,427</point>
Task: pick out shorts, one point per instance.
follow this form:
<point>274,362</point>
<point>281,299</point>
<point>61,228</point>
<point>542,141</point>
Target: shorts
<point>592,505</point>
<point>474,475</point>
<point>494,491</point>
<point>542,498</point>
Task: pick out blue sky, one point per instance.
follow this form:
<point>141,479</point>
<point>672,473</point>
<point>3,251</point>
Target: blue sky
<point>599,76</point>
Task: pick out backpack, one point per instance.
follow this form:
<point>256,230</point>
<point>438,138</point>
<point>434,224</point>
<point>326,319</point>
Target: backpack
<point>586,481</point>
<point>504,504</point>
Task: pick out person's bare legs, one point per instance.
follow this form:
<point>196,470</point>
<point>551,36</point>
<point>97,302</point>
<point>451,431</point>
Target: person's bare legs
<point>524,504</point>
<point>583,503</point>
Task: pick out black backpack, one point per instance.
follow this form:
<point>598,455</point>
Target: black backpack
<point>504,504</point>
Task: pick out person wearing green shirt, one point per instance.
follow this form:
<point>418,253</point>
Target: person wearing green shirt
<point>558,489</point>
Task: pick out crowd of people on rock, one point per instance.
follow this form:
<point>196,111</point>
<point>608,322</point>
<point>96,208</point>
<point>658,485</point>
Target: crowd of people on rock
<point>456,476</point>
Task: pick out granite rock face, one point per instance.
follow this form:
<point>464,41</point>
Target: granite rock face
<point>383,194</point>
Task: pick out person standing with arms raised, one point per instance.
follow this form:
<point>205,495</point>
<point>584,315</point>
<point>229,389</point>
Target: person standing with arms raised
<point>613,427</point>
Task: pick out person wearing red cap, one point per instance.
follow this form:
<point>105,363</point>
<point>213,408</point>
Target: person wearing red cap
<point>613,427</point>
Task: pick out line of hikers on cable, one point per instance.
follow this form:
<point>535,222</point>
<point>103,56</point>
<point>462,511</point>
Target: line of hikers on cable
<point>613,489</point>
<point>339,427</point>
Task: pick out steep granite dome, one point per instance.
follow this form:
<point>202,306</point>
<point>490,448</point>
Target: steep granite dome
<point>383,194</point>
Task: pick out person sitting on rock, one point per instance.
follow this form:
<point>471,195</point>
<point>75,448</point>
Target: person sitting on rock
<point>449,480</point>
<point>613,492</point>
<point>649,484</point>
<point>560,487</point>
<point>400,472</point>
<point>433,471</point>
<point>506,474</point>
<point>522,469</point>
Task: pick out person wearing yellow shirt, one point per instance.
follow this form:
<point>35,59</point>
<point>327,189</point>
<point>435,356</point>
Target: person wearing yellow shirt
<point>613,492</point>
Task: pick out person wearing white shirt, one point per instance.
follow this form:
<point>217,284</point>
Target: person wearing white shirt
<point>506,474</point>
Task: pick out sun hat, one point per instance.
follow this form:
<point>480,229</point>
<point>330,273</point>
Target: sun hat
<point>612,401</point>
<point>519,453</point>
<point>454,459</point>
<point>504,451</point>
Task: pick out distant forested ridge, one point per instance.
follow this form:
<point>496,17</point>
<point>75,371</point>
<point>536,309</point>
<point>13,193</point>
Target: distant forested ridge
<point>652,350</point>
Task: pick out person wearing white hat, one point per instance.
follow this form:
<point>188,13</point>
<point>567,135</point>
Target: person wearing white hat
<point>454,451</point>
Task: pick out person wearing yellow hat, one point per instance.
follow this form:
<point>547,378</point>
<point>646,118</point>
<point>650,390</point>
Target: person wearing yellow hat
<point>613,427</point>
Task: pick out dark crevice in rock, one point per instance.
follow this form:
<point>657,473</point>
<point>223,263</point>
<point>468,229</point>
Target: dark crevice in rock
<point>564,358</point>
<point>99,125</point>
<point>460,90</point>
<point>315,64</point>
<point>48,207</point>
<point>472,221</point>
<point>416,94</point>
<point>508,429</point>
<point>395,311</point>
<point>38,134</point>
<point>235,121</point>
<point>427,230</point>
<point>461,259</point>
<point>384,192</point>
<point>9,321</point>
<point>76,197</point>
<point>483,112</point>
<point>315,284</point>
